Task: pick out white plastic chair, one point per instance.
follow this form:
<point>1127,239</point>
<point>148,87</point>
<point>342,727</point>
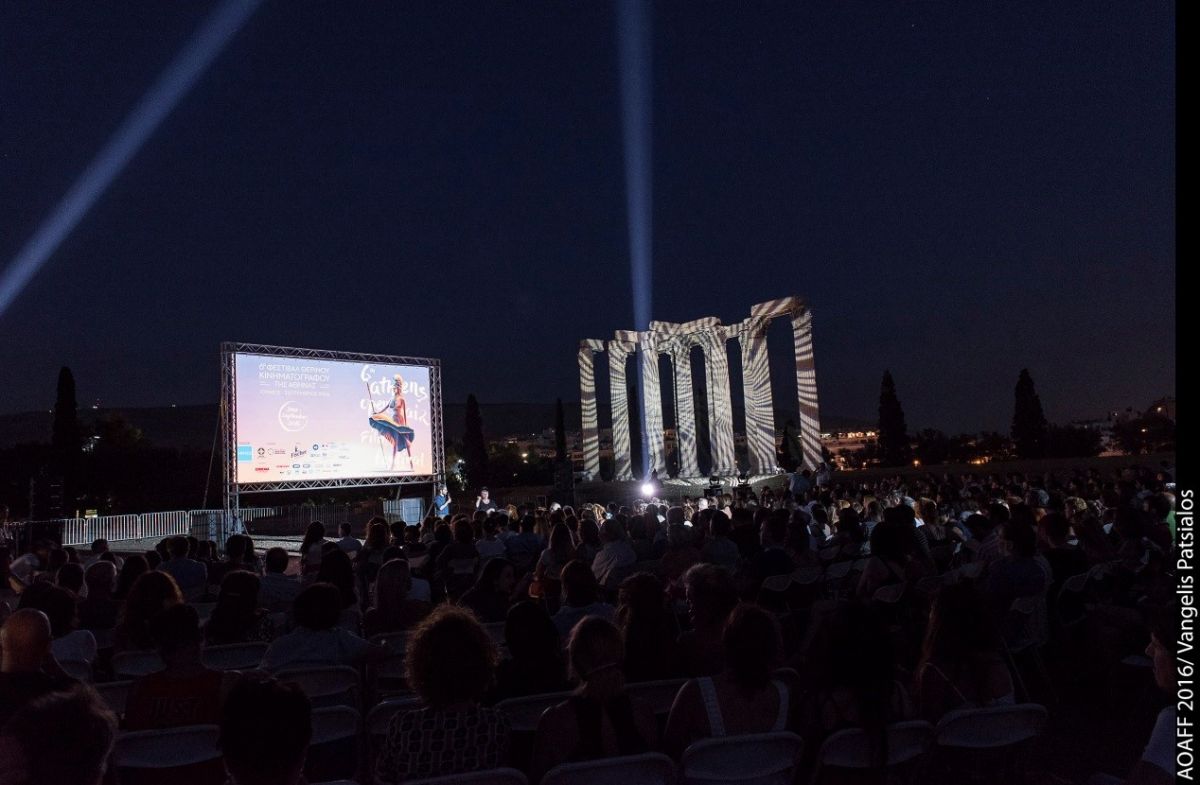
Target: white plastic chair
<point>234,656</point>
<point>115,695</point>
<point>488,777</point>
<point>992,727</point>
<point>753,759</point>
<point>659,694</point>
<point>167,748</point>
<point>132,664</point>
<point>523,713</point>
<point>334,728</point>
<point>77,669</point>
<point>851,748</point>
<point>651,768</point>
<point>334,723</point>
<point>991,743</point>
<point>336,685</point>
<point>392,667</point>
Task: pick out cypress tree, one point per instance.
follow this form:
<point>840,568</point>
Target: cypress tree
<point>1029,427</point>
<point>893,431</point>
<point>474,447</point>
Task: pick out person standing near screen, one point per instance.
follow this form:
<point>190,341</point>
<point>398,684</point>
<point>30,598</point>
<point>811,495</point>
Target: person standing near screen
<point>483,502</point>
<point>394,427</point>
<point>441,502</point>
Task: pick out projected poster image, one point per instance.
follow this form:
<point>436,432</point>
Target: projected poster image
<point>300,418</point>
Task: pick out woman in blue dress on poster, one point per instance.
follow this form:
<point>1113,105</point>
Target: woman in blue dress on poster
<point>392,424</point>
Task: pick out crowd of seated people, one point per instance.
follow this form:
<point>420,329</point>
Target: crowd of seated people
<point>815,608</point>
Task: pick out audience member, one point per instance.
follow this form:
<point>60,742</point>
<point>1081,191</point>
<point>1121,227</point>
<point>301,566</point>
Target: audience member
<point>599,720</point>
<point>62,737</point>
<point>393,609</point>
<point>317,640</point>
<point>311,552</point>
<point>237,617</point>
<point>711,595</point>
<point>492,593</point>
<point>151,594</point>
<point>648,627</point>
<point>190,575</point>
<point>581,597</point>
<point>184,692</point>
<point>962,664</point>
<point>347,542</point>
<point>276,589</point>
<point>611,564</point>
<point>744,698</point>
<point>28,669</point>
<point>266,726</point>
<point>534,665</point>
<point>99,610</point>
<point>450,662</point>
<point>59,605</point>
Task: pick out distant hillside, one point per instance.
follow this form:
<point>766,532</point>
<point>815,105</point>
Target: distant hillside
<point>193,427</point>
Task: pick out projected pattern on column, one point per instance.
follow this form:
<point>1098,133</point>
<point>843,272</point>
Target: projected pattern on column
<point>676,341</point>
<point>590,424</point>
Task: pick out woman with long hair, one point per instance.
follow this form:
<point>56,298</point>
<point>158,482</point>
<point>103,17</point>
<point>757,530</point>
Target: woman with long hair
<point>648,627</point>
<point>393,610</point>
<point>369,558</point>
<point>131,570</point>
<point>744,698</point>
<point>237,617</point>
<point>961,665</point>
<point>860,689</point>
<point>548,571</point>
<point>492,593</point>
<point>310,551</point>
<point>535,664</point>
<point>335,567</point>
<point>600,720</point>
<point>589,540</point>
<point>151,594</point>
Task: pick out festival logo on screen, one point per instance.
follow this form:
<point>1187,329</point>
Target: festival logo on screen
<point>292,417</point>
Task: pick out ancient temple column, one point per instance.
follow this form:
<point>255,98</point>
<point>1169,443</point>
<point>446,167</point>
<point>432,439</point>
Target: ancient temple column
<point>587,399</point>
<point>685,409</point>
<point>720,404</point>
<point>756,386</point>
<point>618,351</point>
<point>806,387</point>
<point>652,432</point>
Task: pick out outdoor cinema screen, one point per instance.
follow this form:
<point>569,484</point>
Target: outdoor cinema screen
<point>305,418</point>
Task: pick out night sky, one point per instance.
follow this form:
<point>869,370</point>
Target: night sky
<point>959,191</point>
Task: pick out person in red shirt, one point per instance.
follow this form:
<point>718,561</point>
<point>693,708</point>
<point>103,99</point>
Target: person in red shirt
<point>185,692</point>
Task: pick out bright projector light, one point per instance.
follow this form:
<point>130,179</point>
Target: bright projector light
<point>647,489</point>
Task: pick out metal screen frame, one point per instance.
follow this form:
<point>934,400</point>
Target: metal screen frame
<point>232,488</point>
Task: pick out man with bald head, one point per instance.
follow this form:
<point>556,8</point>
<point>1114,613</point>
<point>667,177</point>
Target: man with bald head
<point>27,668</point>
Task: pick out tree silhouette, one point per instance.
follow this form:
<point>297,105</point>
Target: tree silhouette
<point>894,446</point>
<point>65,441</point>
<point>475,455</point>
<point>1029,426</point>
